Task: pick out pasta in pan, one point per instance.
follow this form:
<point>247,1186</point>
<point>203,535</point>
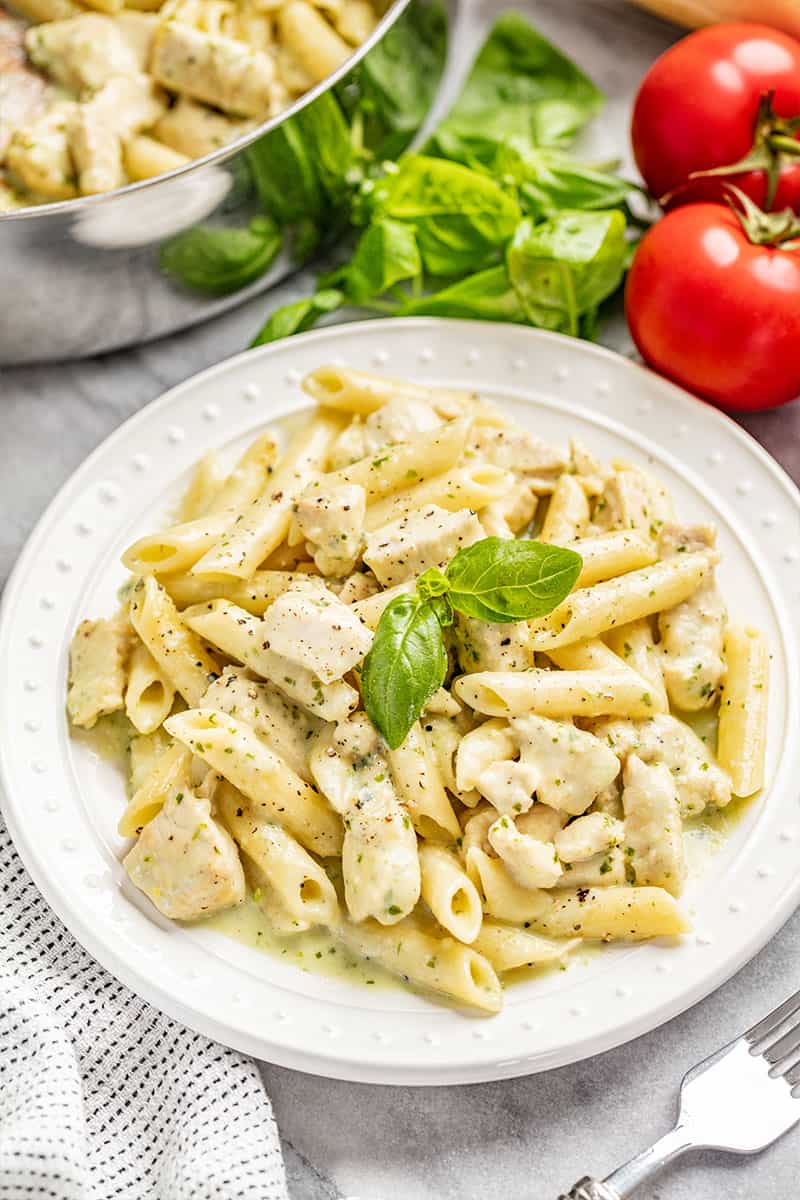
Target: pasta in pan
<point>535,797</point>
<point>123,90</point>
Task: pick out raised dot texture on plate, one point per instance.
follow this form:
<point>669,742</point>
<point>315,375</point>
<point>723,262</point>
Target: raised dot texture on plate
<point>211,412</point>
<point>175,435</point>
<point>251,391</point>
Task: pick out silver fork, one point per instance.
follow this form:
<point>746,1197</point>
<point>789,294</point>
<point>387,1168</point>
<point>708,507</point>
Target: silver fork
<point>741,1099</point>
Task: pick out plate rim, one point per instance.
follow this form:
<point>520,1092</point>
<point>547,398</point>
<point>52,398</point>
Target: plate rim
<point>319,1062</point>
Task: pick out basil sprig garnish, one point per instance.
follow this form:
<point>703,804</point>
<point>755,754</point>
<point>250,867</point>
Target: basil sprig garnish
<point>495,580</point>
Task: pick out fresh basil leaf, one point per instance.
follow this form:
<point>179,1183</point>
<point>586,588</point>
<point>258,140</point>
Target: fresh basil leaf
<point>503,580</point>
<point>461,218</point>
<point>405,666</point>
<point>564,267</point>
<point>548,181</point>
<point>487,296</point>
<point>432,582</point>
<point>386,254</point>
<point>389,93</point>
<point>300,169</point>
<point>218,261</point>
<point>298,317</point>
<point>521,87</point>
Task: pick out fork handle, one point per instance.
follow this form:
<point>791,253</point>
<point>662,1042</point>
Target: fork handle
<point>621,1183</point>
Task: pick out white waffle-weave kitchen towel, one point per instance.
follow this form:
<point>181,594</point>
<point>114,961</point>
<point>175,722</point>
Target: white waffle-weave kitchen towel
<point>101,1096</point>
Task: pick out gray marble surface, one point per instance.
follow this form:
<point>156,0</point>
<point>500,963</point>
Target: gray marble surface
<point>526,1138</point>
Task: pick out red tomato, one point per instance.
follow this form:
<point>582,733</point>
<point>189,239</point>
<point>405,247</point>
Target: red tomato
<point>716,312</point>
<point>698,104</point>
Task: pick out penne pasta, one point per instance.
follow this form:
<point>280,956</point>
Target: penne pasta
<point>556,693</point>
<point>393,468</point>
<point>451,790</point>
<point>352,391</point>
<point>440,964</point>
<point>303,889</point>
<point>178,653</point>
<point>231,747</point>
<point>591,611</point>
<point>149,693</point>
<point>508,948</point>
<point>450,894</point>
<point>470,487</point>
<point>607,555</point>
<point>265,524</point>
<point>741,742</point>
<point>419,787</point>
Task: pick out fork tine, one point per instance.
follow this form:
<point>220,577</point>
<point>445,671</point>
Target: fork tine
<point>785,1047</point>
<point>772,1022</point>
<point>793,1077</point>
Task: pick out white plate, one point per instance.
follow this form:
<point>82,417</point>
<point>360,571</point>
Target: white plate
<point>62,804</point>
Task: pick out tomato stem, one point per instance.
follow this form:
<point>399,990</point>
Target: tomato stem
<point>779,229</point>
<point>774,141</point>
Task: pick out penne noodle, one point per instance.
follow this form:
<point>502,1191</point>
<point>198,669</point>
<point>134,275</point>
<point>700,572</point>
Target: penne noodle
<point>742,735</point>
<point>231,747</point>
<point>636,647</point>
<point>441,964</point>
<point>316,46</point>
<point>254,594</point>
<point>302,887</point>
<point>393,468</point>
<point>419,786</point>
<point>464,487</point>
<point>611,914</point>
<point>179,654</point>
<point>607,555</point>
<point>207,479</point>
<point>149,693</point>
<point>169,775</point>
<point>449,893</point>
<point>590,611</point>
<point>352,391</point>
<point>508,948</point>
<point>556,693</point>
<point>567,513</point>
<point>594,655</point>
<point>265,524</point>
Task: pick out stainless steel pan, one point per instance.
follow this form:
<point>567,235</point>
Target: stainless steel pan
<point>82,276</point>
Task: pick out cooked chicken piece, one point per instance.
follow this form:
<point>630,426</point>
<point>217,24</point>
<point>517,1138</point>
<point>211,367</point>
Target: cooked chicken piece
<point>632,499</point>
<point>586,836</point>
<point>573,766</point>
<point>428,538</point>
<point>38,154</point>
<point>84,52</point>
<point>311,627</point>
<point>185,862</point>
<point>653,827</point>
<point>536,462</point>
<point>699,781</point>
<point>530,863</point>
<point>21,88</point>
<point>692,633</point>
<point>332,524</point>
<point>489,646</point>
<point>97,659</point>
<point>96,130</point>
<point>398,421</point>
<point>219,70</point>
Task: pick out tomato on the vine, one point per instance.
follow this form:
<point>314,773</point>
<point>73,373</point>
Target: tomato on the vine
<point>725,103</point>
<point>713,303</point>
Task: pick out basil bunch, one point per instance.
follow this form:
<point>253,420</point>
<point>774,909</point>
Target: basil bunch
<point>494,580</point>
